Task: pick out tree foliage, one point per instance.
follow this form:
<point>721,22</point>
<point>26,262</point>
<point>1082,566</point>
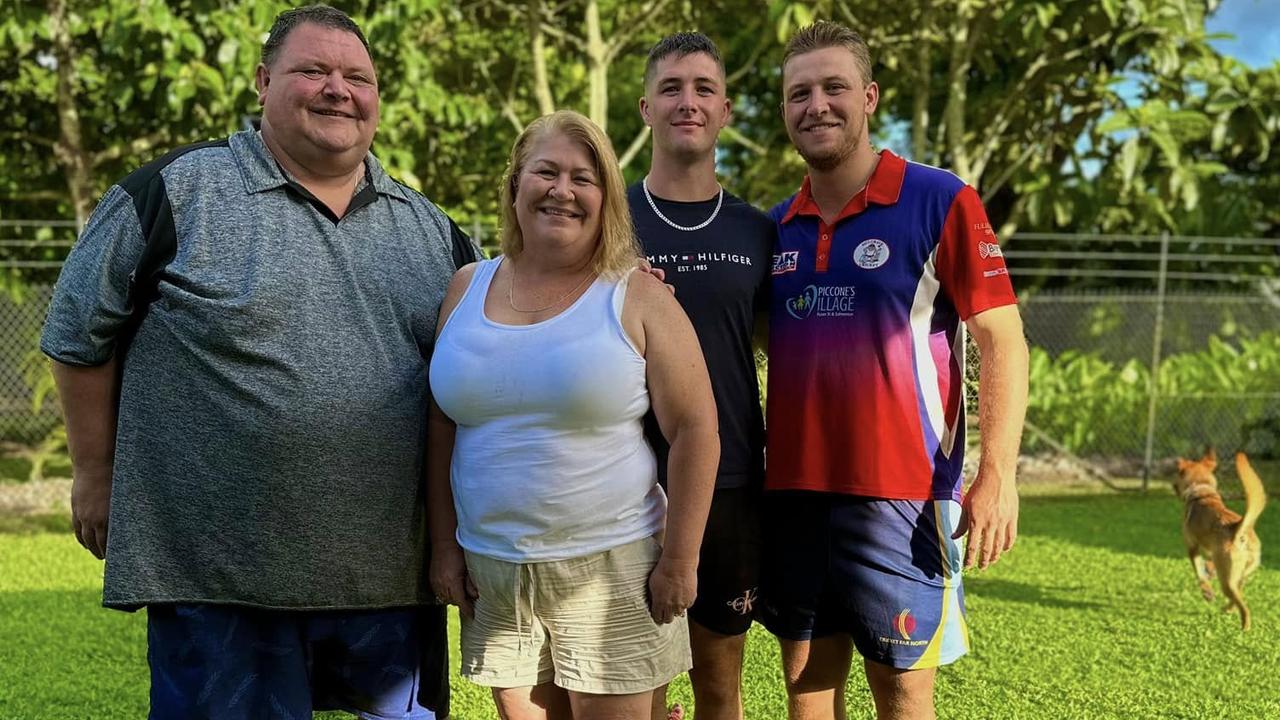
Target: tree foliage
<point>1112,116</point>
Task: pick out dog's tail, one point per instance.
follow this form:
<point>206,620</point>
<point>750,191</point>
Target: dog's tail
<point>1255,495</point>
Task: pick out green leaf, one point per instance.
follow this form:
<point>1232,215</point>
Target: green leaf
<point>227,51</point>
<point>1129,154</point>
<point>1115,123</point>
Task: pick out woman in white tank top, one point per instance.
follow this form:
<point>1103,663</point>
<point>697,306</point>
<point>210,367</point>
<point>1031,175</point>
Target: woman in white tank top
<point>549,529</point>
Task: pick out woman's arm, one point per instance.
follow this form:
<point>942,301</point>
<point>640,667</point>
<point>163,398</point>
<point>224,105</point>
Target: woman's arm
<point>680,393</point>
<point>448,571</point>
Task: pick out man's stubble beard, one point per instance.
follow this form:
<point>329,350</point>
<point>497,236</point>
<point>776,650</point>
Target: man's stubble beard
<point>829,161</point>
<point>834,158</point>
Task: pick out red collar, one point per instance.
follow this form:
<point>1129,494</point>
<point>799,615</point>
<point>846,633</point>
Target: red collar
<point>883,188</point>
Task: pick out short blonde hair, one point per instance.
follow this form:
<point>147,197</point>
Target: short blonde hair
<point>617,250</point>
<point>824,34</point>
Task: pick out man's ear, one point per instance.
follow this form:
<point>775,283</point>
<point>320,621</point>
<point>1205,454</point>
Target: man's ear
<point>872,97</point>
<point>644,111</point>
<point>261,79</point>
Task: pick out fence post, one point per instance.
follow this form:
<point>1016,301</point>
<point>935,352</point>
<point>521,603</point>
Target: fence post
<point>1157,340</point>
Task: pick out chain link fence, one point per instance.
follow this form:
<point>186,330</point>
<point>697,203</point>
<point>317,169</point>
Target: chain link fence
<point>31,253</point>
<point>23,370</point>
<point>1186,355</point>
<point>1128,378</point>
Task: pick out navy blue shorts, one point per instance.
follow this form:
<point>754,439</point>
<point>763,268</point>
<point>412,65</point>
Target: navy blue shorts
<point>225,662</point>
<point>885,572</point>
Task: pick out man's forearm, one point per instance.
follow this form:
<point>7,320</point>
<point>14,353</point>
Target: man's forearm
<point>90,399</point>
<point>1002,403</point>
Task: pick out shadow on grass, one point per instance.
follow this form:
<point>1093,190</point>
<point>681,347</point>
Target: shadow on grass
<point>1040,595</point>
<point>1140,524</point>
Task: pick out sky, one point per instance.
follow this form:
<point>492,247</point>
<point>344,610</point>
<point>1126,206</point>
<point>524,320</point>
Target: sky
<point>1256,25</point>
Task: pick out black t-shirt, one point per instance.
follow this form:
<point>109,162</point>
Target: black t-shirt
<point>721,276</point>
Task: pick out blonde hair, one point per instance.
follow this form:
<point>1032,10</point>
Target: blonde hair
<point>824,34</point>
<point>617,250</point>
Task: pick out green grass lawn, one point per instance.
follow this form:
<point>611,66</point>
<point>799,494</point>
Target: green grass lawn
<point>1094,615</point>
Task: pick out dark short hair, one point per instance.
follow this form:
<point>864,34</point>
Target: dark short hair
<point>823,34</point>
<point>681,45</point>
<point>321,15</point>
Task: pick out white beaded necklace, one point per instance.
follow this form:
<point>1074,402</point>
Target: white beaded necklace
<point>654,206</point>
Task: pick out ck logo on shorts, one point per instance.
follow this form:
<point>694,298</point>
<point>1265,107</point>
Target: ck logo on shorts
<point>745,604</point>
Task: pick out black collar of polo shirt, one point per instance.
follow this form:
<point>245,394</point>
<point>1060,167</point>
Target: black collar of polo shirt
<point>367,195</point>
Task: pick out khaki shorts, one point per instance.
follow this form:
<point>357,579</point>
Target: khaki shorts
<point>583,623</point>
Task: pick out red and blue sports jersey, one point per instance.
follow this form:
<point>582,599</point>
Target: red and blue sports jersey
<point>866,334</point>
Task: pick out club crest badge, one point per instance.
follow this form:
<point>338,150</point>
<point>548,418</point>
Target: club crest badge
<point>871,254</point>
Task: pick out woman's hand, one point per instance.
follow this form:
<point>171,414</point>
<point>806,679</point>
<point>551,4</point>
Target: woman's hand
<point>449,579</point>
<point>673,585</point>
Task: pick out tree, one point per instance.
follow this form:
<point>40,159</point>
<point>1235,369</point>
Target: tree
<point>88,88</point>
<point>1053,109</point>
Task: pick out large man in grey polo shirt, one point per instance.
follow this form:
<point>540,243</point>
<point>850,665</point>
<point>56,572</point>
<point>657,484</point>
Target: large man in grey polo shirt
<point>240,340</point>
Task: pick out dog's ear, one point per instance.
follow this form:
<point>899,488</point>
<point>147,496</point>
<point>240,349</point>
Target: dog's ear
<point>1183,464</point>
<point>1210,457</point>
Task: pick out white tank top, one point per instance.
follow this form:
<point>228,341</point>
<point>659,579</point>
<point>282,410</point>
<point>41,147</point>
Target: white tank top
<point>550,460</point>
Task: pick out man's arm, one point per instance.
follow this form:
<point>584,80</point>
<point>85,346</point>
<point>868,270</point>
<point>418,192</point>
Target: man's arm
<point>991,506</point>
<point>90,397</point>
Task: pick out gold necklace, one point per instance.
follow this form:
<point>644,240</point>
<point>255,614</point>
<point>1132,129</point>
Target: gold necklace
<point>512,287</point>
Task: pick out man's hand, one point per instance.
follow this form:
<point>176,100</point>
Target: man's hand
<point>673,585</point>
<point>449,579</point>
<point>646,266</point>
<point>989,515</point>
<point>90,508</point>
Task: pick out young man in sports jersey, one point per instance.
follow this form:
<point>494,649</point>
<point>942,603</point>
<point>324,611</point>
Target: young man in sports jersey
<point>880,267</point>
<point>714,249</point>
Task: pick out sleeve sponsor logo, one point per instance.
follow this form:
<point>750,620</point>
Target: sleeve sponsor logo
<point>984,228</point>
<point>995,273</point>
<point>871,254</point>
<point>989,250</point>
<point>786,262</point>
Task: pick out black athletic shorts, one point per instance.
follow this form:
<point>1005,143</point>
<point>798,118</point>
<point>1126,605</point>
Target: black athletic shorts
<point>729,563</point>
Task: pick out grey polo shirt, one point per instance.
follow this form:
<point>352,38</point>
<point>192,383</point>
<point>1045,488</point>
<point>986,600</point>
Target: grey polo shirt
<point>272,408</point>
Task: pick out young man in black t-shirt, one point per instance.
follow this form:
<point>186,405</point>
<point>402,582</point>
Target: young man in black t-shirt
<point>715,250</point>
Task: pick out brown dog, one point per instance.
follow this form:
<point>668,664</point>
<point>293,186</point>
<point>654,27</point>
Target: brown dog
<point>1216,537</point>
